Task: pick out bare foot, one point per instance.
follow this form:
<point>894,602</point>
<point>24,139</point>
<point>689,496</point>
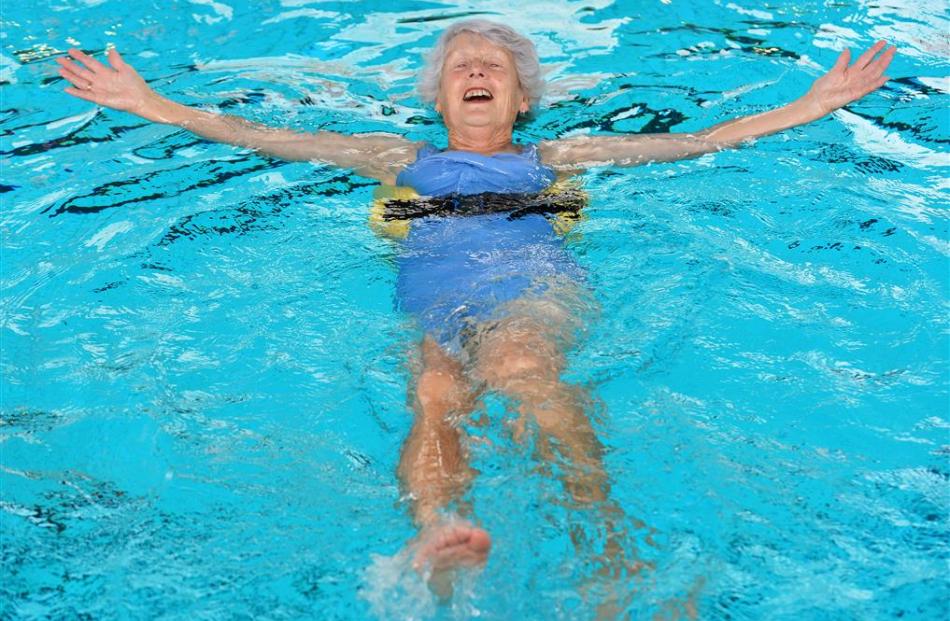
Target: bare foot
<point>444,547</point>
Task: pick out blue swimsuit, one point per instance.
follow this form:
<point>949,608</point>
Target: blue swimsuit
<point>456,271</point>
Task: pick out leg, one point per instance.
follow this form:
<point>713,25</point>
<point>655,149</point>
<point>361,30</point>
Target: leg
<point>434,468</point>
<point>523,359</point>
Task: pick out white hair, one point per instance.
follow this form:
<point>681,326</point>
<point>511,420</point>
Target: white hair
<point>520,47</point>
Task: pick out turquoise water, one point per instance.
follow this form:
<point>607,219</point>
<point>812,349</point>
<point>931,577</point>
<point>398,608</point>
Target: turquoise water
<point>204,378</point>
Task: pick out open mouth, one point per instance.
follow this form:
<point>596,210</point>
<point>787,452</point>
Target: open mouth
<point>477,94</point>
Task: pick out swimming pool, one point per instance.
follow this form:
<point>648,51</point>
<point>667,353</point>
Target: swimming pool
<point>203,393</point>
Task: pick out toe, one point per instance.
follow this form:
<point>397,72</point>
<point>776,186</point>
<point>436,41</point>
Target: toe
<point>479,541</point>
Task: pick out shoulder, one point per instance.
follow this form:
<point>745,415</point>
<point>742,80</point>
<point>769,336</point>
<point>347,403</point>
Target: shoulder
<point>382,156</point>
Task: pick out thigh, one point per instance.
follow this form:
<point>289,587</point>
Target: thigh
<point>529,337</point>
<point>442,388</point>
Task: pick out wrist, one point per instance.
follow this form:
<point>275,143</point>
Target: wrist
<point>163,110</point>
<point>811,107</point>
<point>149,106</point>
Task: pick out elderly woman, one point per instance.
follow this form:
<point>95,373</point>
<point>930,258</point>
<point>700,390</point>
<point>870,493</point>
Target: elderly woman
<point>498,323</point>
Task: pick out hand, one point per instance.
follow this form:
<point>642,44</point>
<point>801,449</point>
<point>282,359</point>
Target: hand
<point>118,86</point>
<point>844,84</point>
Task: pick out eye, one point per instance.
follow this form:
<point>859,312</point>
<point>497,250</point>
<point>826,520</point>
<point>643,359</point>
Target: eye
<point>495,66</point>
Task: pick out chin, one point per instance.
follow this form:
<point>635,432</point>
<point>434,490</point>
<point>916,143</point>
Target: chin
<point>476,120</point>
<point>483,117</point>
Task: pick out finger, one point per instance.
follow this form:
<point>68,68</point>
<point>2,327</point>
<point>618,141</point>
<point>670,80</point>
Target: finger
<point>881,63</point>
<point>75,69</point>
<point>75,92</point>
<point>866,57</point>
<point>75,80</point>
<point>115,59</point>
<point>94,65</point>
<point>843,59</point>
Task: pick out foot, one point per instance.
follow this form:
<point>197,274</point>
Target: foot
<point>445,547</point>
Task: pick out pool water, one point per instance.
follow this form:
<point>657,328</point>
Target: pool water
<point>204,377</point>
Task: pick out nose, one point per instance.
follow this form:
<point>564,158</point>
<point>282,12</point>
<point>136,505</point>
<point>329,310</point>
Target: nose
<point>476,71</point>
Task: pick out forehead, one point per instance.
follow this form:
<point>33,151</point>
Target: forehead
<point>471,43</point>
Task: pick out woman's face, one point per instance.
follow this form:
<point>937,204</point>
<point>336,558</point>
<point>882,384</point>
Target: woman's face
<point>480,86</point>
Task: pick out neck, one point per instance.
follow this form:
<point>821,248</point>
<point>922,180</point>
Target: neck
<point>484,140</point>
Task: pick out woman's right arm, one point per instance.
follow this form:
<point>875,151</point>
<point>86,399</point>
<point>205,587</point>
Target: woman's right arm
<point>377,156</point>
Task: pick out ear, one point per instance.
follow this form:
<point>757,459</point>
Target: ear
<point>524,107</point>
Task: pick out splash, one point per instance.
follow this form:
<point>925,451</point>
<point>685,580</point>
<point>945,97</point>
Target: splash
<point>394,590</point>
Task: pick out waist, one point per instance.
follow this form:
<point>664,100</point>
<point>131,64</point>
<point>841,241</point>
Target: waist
<point>492,231</point>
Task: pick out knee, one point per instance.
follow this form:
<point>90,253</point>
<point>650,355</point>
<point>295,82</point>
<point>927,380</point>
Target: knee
<point>438,389</point>
<point>511,369</point>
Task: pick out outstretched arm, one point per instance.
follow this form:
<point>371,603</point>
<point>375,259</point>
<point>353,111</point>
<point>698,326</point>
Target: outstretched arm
<point>119,86</point>
<point>840,86</point>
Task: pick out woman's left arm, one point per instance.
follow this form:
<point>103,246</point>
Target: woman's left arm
<point>840,86</point>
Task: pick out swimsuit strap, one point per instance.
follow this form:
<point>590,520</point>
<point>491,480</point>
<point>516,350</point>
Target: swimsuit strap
<point>426,150</point>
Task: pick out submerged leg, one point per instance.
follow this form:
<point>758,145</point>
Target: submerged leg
<point>434,469</point>
<point>523,359</point>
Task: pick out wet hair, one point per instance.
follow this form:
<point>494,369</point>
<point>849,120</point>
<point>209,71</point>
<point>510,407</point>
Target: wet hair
<point>520,47</point>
